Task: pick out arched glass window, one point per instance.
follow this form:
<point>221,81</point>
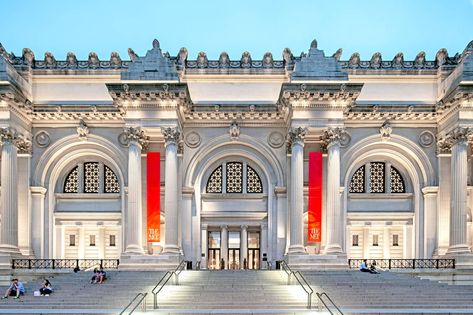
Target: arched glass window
<point>382,179</point>
<point>238,178</point>
<point>91,177</point>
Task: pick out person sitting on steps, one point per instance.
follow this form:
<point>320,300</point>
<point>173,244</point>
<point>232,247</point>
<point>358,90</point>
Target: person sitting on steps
<point>16,289</point>
<point>95,277</point>
<point>102,276</point>
<point>373,268</point>
<point>46,288</point>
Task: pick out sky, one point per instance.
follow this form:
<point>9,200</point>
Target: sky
<point>364,26</point>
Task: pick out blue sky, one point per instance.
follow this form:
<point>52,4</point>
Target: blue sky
<point>235,26</point>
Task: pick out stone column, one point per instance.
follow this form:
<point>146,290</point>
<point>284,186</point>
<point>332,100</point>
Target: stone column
<point>9,139</point>
<point>430,221</point>
<point>205,243</point>
<point>172,137</point>
<point>264,245</point>
<point>24,199</point>
<point>366,242</point>
<point>244,246</point>
<point>443,209</point>
<point>134,225</point>
<point>296,242</point>
<point>458,224</point>
<point>335,224</point>
<point>224,245</point>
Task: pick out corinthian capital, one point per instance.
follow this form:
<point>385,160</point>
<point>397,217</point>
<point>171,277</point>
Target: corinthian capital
<point>135,134</point>
<point>335,135</point>
<point>444,145</point>
<point>24,146</point>
<point>296,135</point>
<point>460,135</point>
<point>172,135</point>
<point>8,135</point>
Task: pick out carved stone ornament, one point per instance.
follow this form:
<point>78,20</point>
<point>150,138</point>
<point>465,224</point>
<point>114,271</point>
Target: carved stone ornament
<point>24,146</point>
<point>8,135</point>
<point>444,146</point>
<point>426,139</point>
<point>172,135</point>
<point>135,134</point>
<point>234,131</point>
<point>82,130</point>
<point>276,139</point>
<point>460,135</point>
<point>385,130</point>
<point>334,136</point>
<point>192,139</point>
<point>296,136</point>
<point>42,139</point>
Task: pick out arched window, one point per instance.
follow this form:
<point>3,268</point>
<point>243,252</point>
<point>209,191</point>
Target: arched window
<point>91,177</point>
<point>382,178</point>
<point>238,178</point>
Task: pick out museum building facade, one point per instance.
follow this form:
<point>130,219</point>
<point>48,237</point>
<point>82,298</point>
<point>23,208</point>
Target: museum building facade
<point>236,162</point>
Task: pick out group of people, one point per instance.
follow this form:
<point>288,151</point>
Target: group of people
<point>371,269</point>
<point>99,276</point>
<point>16,289</point>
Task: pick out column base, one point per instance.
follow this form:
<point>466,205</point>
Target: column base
<point>333,249</point>
<point>317,262</point>
<point>11,250</point>
<point>134,250</point>
<point>460,249</point>
<point>296,250</point>
<point>171,250</point>
<point>159,262</point>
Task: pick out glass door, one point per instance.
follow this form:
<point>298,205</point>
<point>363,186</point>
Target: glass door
<point>214,250</point>
<point>253,250</point>
<point>233,250</point>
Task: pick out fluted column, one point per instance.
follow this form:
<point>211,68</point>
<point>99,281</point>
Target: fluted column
<point>458,223</point>
<point>244,246</point>
<point>335,224</point>
<point>133,225</point>
<point>296,139</point>
<point>171,136</point>
<point>9,195</point>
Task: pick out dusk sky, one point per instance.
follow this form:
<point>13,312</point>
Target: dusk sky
<point>235,26</point>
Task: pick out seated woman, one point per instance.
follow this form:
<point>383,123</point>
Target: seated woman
<point>95,277</point>
<point>102,276</point>
<point>373,268</point>
<point>364,266</point>
<point>46,288</point>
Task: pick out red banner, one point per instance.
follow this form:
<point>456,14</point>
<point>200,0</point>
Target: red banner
<point>315,198</point>
<point>153,193</point>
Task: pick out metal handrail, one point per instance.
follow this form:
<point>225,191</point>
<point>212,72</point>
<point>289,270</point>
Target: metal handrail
<point>286,268</point>
<point>165,279</point>
<point>140,301</point>
<point>320,295</point>
<point>309,291</point>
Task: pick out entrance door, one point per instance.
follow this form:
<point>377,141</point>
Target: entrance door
<point>253,250</point>
<point>214,250</point>
<point>253,258</point>
<point>234,258</point>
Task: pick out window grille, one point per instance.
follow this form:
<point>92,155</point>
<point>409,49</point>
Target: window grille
<point>234,177</point>
<point>71,184</point>
<point>396,182</point>
<point>377,177</point>
<point>357,184</point>
<point>253,182</point>
<point>111,181</point>
<point>214,184</point>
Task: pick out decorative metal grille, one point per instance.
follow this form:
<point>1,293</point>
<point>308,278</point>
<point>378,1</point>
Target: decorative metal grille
<point>357,184</point>
<point>396,182</point>
<point>71,184</point>
<point>91,177</point>
<point>253,181</point>
<point>214,184</point>
<point>234,177</point>
<point>377,177</point>
<point>111,181</point>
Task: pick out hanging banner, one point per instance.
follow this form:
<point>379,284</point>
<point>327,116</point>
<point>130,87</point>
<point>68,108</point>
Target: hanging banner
<point>153,193</point>
<point>315,198</point>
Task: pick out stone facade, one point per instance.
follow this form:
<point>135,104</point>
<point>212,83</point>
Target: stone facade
<point>234,138</point>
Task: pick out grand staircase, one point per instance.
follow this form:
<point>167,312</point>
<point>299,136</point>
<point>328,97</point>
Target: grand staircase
<point>244,292</point>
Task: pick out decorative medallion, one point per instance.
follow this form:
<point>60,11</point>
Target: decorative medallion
<point>345,139</point>
<point>276,139</point>
<point>192,139</point>
<point>42,139</point>
<point>426,139</point>
<point>123,139</point>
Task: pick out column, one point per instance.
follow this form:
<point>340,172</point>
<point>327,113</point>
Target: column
<point>134,225</point>
<point>9,194</point>
<point>171,137</point>
<point>430,221</point>
<point>224,245</point>
<point>204,252</point>
<point>335,224</point>
<point>264,246</point>
<point>244,246</point>
<point>443,209</point>
<point>38,195</point>
<point>458,224</point>
<point>186,222</point>
<point>296,242</point>
<point>24,200</point>
<point>281,197</point>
